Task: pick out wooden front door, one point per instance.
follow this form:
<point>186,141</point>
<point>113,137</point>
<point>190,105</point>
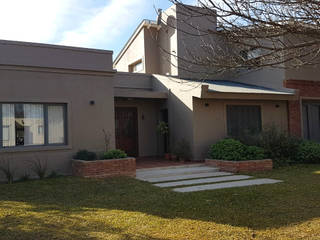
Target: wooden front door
<point>127,130</point>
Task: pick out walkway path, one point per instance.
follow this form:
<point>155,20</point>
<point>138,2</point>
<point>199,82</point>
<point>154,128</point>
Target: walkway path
<point>197,177</point>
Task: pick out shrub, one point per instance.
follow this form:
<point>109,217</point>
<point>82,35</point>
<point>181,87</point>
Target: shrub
<point>114,154</point>
<point>182,149</point>
<point>228,149</point>
<point>85,155</point>
<point>254,153</point>
<point>279,146</point>
<point>308,152</point>
<point>234,150</point>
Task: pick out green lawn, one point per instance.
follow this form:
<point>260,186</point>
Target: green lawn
<point>124,208</point>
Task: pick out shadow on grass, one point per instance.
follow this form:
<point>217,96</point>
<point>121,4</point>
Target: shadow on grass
<point>31,228</point>
<point>258,207</point>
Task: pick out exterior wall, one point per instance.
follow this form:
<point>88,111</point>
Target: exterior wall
<point>135,52</point>
<point>148,116</point>
<point>211,121</point>
<point>266,77</point>
<point>168,43</point>
<point>133,81</point>
<point>85,122</point>
<point>152,56</point>
<point>180,107</point>
<point>53,56</point>
<point>307,90</point>
<point>190,28</point>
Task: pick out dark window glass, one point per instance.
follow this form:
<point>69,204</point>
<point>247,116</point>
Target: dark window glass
<point>243,120</point>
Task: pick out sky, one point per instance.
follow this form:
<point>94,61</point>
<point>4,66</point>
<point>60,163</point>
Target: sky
<point>102,24</point>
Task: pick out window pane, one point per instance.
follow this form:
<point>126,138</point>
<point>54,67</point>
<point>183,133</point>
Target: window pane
<point>8,125</point>
<point>56,125</point>
<point>242,120</point>
<point>32,123</point>
<point>138,67</point>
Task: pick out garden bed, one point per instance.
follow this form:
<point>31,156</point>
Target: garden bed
<point>241,166</point>
<point>104,168</point>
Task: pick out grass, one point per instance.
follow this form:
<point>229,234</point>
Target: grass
<point>124,208</point>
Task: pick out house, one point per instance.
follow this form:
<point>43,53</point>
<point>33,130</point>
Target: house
<point>56,100</point>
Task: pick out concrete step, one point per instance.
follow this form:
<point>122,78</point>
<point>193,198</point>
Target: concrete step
<point>182,177</point>
<point>203,180</point>
<point>227,185</point>
<point>175,171</point>
<point>141,170</point>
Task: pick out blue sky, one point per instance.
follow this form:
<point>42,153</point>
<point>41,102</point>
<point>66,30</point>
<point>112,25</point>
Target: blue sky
<point>104,24</point>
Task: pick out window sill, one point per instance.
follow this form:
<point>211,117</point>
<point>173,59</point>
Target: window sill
<point>35,149</point>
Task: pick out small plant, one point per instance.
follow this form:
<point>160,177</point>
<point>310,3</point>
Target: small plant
<point>308,152</point>
<point>114,154</point>
<point>85,155</point>
<point>7,170</point>
<point>39,167</point>
<point>163,128</point>
<point>182,150</point>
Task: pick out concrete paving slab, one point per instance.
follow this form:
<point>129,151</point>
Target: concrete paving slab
<point>227,185</point>
<point>183,177</point>
<point>142,170</point>
<point>203,180</point>
<point>176,171</point>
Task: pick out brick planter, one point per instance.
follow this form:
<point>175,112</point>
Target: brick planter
<point>104,168</point>
<point>241,166</point>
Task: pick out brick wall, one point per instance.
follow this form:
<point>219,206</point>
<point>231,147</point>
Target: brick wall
<point>104,168</point>
<point>308,89</point>
<point>241,166</point>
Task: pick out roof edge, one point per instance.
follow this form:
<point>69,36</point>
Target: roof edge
<point>144,23</point>
<point>54,46</point>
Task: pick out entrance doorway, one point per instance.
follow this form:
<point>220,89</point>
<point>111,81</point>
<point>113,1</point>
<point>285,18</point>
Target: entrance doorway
<point>126,121</point>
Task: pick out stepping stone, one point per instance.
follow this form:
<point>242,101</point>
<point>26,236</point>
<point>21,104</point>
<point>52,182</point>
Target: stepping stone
<point>227,185</point>
<point>141,170</point>
<point>182,177</point>
<point>175,172</point>
<point>203,180</point>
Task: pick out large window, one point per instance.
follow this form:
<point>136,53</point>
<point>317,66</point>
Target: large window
<point>243,120</point>
<point>311,120</point>
<point>32,124</point>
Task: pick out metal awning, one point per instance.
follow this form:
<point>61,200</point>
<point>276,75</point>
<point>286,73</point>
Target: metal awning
<point>234,90</point>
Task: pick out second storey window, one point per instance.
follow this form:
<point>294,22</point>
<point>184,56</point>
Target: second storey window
<point>243,120</point>
<point>136,67</point>
<point>25,124</point>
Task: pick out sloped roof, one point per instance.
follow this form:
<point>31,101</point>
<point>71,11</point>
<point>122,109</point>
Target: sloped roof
<point>237,87</point>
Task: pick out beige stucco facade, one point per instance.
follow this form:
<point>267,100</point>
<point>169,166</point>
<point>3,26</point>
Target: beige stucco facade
<point>199,116</point>
<point>36,74</point>
<point>210,118</point>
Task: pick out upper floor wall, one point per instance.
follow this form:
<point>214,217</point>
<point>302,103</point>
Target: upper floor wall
<point>166,48</point>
